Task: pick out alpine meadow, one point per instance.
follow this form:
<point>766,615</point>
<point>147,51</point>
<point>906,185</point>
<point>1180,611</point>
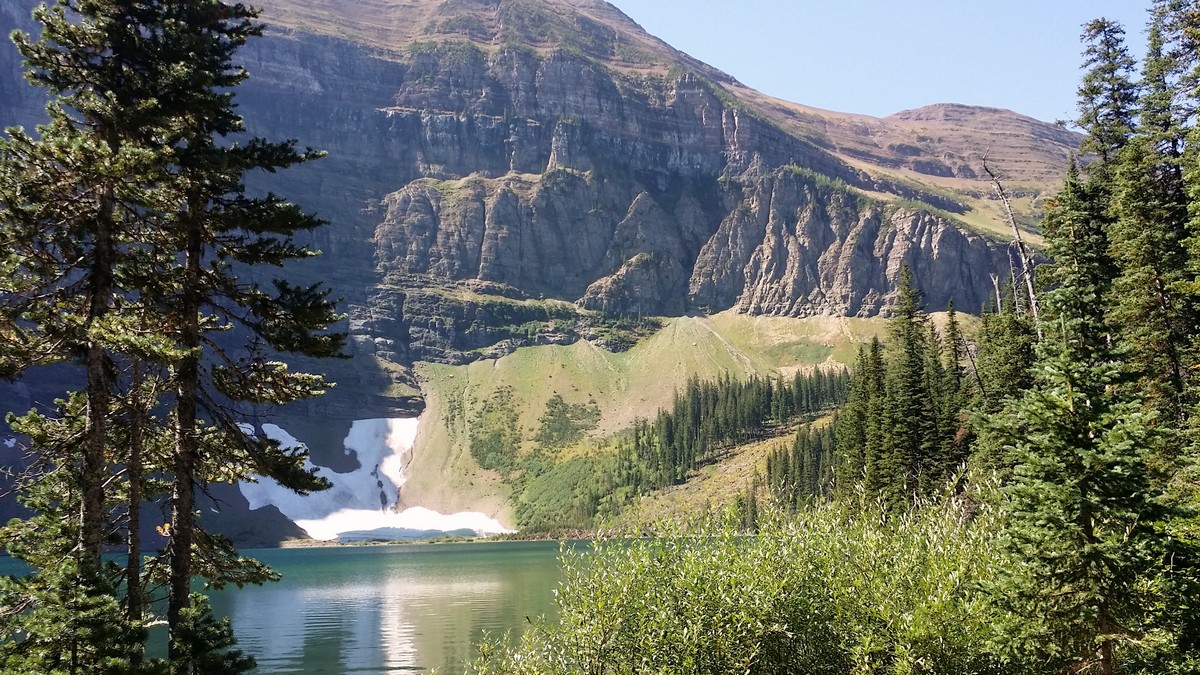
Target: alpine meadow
<point>797,391</point>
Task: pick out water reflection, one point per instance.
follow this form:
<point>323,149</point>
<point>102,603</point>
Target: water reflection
<point>394,609</point>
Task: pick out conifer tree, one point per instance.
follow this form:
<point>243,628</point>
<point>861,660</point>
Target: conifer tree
<point>1108,96</point>
<point>955,440</point>
<point>1084,554</point>
<point>908,426</point>
<point>859,425</point>
<point>1005,355</point>
<point>132,237</point>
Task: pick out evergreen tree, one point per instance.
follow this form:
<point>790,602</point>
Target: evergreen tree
<point>1003,371</point>
<point>908,425</point>
<point>852,422</point>
<point>65,618</point>
<point>1084,555</point>
<point>1108,96</point>
<point>859,426</point>
<point>955,439</point>
<point>1154,313</point>
<point>132,240</point>
<point>1151,308</point>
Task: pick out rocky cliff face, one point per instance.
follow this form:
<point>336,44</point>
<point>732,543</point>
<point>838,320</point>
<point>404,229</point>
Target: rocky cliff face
<point>550,175</point>
<point>577,159</point>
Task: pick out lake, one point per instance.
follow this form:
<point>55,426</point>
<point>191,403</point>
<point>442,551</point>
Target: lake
<point>388,609</point>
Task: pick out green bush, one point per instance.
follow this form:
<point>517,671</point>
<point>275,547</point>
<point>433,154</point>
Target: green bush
<point>833,589</point>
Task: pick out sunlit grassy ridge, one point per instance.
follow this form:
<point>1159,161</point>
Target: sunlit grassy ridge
<point>624,386</point>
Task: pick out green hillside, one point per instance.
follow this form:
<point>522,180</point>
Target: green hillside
<point>623,386</point>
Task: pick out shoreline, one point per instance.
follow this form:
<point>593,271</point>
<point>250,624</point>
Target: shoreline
<point>553,535</point>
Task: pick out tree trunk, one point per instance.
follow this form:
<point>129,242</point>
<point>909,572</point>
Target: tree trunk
<point>1108,665</point>
<point>98,390</point>
<point>187,451</point>
<point>133,567</point>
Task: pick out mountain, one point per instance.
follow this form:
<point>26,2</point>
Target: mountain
<point>529,149</point>
<point>552,149</point>
<point>504,173</point>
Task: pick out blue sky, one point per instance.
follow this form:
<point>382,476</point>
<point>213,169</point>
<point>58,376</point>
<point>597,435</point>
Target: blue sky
<point>880,56</point>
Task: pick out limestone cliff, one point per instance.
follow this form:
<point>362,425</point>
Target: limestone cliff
<point>548,172</point>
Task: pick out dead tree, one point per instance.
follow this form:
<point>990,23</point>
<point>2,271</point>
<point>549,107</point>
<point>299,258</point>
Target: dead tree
<point>1022,251</point>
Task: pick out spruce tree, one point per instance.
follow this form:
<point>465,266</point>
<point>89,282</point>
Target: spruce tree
<point>859,425</point>
<point>956,439</point>
<point>1108,95</point>
<point>1084,552</point>
<point>908,425</point>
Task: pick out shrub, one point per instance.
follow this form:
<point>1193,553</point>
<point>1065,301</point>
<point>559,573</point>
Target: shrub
<point>833,589</point>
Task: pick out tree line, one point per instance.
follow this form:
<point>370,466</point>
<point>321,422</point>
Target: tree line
<point>802,473</point>
<point>133,251</point>
<point>708,418</point>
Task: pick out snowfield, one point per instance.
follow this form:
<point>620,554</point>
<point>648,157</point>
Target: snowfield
<point>364,499</point>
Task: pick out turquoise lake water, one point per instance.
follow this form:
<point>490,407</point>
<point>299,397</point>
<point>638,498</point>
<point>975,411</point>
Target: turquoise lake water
<point>388,609</point>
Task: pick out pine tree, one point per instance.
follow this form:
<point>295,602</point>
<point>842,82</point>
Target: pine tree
<point>859,424</point>
<point>908,427</point>
<point>65,618</point>
<point>852,424</point>
<point>1084,554</point>
<point>956,439</point>
<point>132,239</point>
<point>1108,96</point>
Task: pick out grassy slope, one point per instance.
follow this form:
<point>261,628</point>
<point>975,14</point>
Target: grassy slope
<point>625,386</point>
<point>710,489</point>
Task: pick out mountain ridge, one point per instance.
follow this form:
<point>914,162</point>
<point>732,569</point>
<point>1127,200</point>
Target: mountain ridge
<point>624,45</point>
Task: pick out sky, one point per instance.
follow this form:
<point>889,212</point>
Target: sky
<point>878,57</point>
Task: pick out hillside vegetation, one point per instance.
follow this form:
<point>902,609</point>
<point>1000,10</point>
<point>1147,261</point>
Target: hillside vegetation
<point>623,387</point>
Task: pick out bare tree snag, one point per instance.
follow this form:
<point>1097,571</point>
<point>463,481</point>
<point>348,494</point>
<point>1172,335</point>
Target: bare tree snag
<point>1022,252</point>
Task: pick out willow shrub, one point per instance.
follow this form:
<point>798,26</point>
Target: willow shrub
<point>832,589</point>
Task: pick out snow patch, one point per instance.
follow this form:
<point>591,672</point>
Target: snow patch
<point>10,443</point>
<point>363,499</point>
<point>415,518</point>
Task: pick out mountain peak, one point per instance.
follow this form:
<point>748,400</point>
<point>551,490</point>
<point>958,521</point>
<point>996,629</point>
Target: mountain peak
<point>592,27</point>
